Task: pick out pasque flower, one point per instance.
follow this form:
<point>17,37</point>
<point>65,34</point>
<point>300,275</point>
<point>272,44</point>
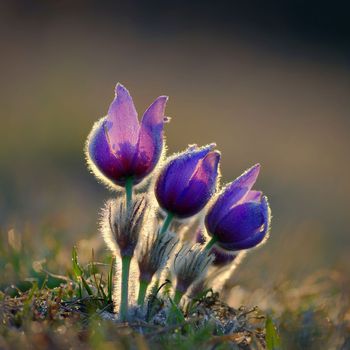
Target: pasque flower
<point>121,151</point>
<point>188,181</point>
<point>240,217</point>
<point>119,148</point>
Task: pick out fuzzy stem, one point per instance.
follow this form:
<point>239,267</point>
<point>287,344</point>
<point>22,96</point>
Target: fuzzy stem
<point>210,243</point>
<point>128,192</point>
<point>178,296</point>
<point>142,292</point>
<point>166,223</point>
<point>126,260</point>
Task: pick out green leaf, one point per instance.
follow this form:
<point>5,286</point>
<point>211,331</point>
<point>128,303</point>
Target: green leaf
<point>175,315</point>
<point>273,341</point>
<point>78,271</point>
<point>87,287</point>
<point>102,292</point>
<point>110,281</point>
<point>28,302</point>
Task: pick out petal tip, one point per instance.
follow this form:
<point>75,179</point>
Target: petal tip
<point>213,158</point>
<point>161,100</point>
<point>256,167</point>
<point>120,89</point>
<point>251,174</point>
<point>164,98</point>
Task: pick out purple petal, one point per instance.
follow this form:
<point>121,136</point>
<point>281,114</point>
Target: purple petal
<point>176,175</point>
<point>201,186</point>
<point>253,196</point>
<point>231,195</point>
<point>122,125</point>
<point>102,157</point>
<point>247,243</point>
<point>240,222</point>
<point>150,142</point>
<point>258,236</point>
<point>267,215</point>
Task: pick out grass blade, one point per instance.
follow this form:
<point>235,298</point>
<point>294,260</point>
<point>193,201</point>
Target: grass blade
<point>273,341</point>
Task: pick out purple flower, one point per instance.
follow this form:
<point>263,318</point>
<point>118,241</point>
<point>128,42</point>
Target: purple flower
<point>240,217</point>
<point>119,147</point>
<point>187,182</point>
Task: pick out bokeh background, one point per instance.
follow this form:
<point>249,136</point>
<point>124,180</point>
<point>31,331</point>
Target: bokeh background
<point>268,81</point>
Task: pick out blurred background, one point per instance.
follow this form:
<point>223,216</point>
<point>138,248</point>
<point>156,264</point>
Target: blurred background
<point>268,81</point>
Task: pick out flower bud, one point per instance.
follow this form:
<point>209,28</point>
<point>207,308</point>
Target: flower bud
<point>240,217</point>
<point>121,227</point>
<point>154,254</point>
<point>188,181</point>
<point>190,265</point>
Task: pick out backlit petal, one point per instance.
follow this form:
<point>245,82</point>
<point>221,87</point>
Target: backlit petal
<point>175,177</point>
<point>252,196</point>
<point>231,195</point>
<point>150,142</point>
<point>101,156</point>
<point>122,124</point>
<point>240,222</point>
<point>200,187</point>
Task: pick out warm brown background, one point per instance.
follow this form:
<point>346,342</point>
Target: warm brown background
<point>268,85</point>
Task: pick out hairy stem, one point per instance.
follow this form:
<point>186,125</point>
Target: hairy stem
<point>142,292</point>
<point>166,223</point>
<point>210,243</point>
<point>126,260</point>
